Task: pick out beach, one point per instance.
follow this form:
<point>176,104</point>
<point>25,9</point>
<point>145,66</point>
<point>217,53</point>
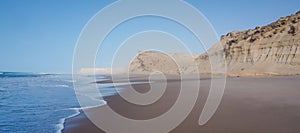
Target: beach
<point>249,104</point>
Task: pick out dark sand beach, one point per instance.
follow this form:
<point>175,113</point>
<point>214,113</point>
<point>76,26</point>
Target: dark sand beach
<point>249,105</point>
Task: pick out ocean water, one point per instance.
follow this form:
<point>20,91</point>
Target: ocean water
<point>31,102</point>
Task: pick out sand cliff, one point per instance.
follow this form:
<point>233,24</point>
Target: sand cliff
<point>147,62</point>
<point>269,50</point>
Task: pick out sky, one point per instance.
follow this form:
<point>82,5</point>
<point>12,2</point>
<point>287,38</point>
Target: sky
<point>40,36</point>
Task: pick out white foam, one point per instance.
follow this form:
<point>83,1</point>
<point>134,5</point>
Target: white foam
<point>71,81</point>
<point>60,126</point>
<point>88,107</point>
<point>50,86</point>
<point>63,86</point>
<point>41,73</point>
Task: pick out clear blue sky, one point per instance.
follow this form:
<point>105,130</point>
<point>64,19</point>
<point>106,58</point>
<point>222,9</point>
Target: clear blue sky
<point>40,35</point>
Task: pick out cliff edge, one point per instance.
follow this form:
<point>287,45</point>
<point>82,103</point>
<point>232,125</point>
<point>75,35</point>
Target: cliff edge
<point>268,50</point>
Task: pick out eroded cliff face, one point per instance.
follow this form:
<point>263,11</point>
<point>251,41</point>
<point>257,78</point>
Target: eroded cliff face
<point>269,50</point>
<point>148,62</point>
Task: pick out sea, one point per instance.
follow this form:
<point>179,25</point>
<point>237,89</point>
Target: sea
<point>39,102</point>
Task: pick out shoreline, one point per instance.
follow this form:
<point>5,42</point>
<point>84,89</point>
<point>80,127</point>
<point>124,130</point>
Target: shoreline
<point>260,104</point>
<point>61,125</point>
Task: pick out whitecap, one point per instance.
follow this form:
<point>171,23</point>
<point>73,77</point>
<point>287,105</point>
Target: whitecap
<point>63,86</point>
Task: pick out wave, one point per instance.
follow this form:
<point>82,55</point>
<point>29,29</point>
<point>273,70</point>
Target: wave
<point>51,86</point>
<point>62,86</point>
<point>83,108</point>
<point>60,126</point>
<point>22,74</point>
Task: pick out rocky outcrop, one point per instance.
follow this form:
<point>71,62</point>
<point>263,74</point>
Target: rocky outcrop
<point>269,50</point>
<point>148,62</point>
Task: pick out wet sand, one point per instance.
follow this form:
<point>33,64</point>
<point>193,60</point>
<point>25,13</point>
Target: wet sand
<point>249,105</point>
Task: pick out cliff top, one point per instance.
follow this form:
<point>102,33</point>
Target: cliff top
<point>277,31</point>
